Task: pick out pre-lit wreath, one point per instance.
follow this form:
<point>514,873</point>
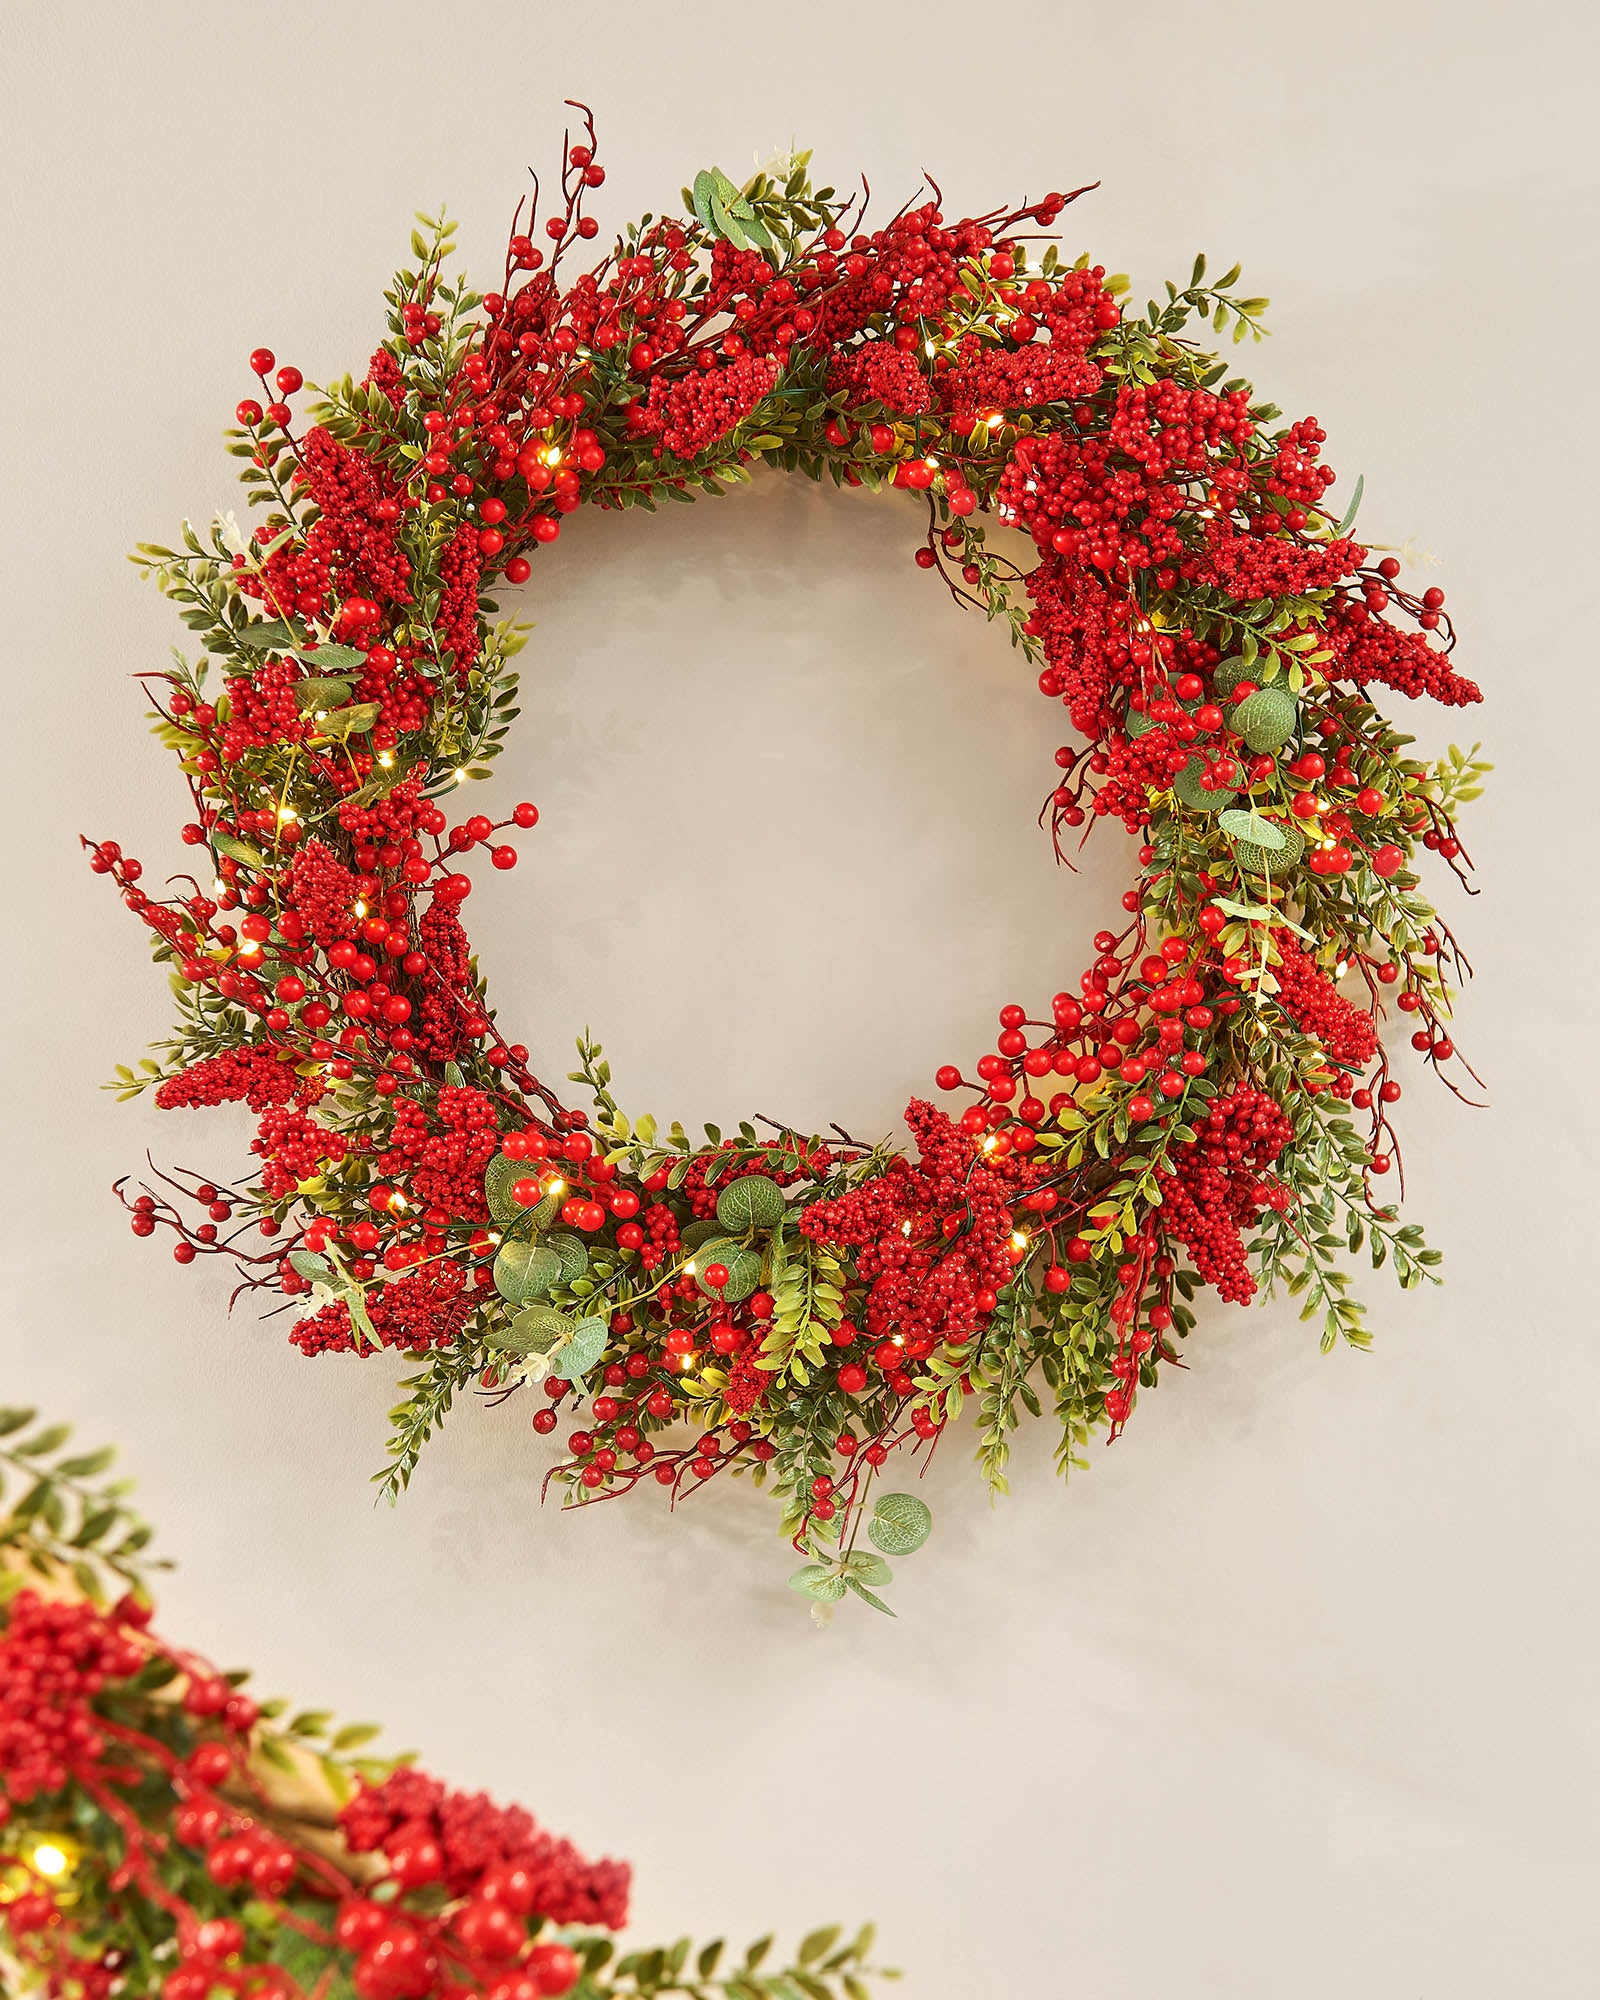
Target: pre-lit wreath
<point>1181,1116</point>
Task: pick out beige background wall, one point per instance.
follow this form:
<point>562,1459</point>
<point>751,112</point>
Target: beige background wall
<point>1293,1694</point>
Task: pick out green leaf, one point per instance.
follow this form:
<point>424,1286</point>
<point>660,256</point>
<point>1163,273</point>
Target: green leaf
<point>319,692</point>
<point>753,1201</point>
<point>524,1272</point>
<point>1238,824</point>
<point>268,635</point>
<point>339,659</point>
<point>900,1523</point>
<point>360,1319</point>
<point>818,1581</point>
<point>310,1264</point>
<point>354,721</point>
<point>47,1441</point>
<point>582,1351</point>
<point>500,1177</point>
<point>354,1734</point>
<point>817,1944</point>
<point>535,1330</point>
<point>239,850</point>
<point>86,1465</point>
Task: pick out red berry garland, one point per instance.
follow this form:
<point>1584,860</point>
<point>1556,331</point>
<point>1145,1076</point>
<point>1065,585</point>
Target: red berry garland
<point>1206,621</point>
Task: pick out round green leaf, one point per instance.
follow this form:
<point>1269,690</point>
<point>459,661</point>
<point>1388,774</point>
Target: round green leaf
<point>743,1268</point>
<point>1257,860</point>
<point>535,1330</point>
<point>1186,786</point>
<point>1267,719</point>
<point>321,691</point>
<point>696,1233</point>
<point>1251,826</point>
<point>525,1271</point>
<point>900,1523</point>
<point>753,1201</point>
<point>582,1351</point>
<point>1227,674</point>
<point>500,1177</point>
<point>818,1581</point>
<point>569,1246</point>
<point>355,721</point>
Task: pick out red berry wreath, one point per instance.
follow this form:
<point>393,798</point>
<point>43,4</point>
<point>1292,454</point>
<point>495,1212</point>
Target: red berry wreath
<point>1182,1116</point>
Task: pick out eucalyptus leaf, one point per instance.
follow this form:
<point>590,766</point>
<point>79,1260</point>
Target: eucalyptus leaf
<point>500,1177</point>
<point>355,721</point>
<point>524,1272</point>
<point>582,1351</point>
<point>534,1330</point>
<point>818,1581</point>
<point>900,1523</point>
<point>1249,825</point>
<point>317,691</point>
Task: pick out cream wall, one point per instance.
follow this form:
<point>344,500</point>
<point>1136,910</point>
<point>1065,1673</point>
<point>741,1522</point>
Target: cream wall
<point>1292,1695</point>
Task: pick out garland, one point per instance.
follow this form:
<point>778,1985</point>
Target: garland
<point>163,1832</point>
<point>1186,1115</point>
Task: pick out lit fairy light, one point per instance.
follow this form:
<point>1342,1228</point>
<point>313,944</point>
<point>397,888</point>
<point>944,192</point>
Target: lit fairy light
<point>386,758</point>
<point>1018,1240</point>
<point>988,1144</point>
<point>461,774</point>
<point>50,1859</point>
<point>361,909</point>
<point>555,1187</point>
<point>689,1267</point>
<point>905,1229</point>
<point>552,454</point>
<point>286,814</point>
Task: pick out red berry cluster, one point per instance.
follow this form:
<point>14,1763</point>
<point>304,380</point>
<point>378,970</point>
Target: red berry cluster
<point>1218,1183</point>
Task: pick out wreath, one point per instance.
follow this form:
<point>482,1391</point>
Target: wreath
<point>1209,1104</point>
<point>163,1832</point>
